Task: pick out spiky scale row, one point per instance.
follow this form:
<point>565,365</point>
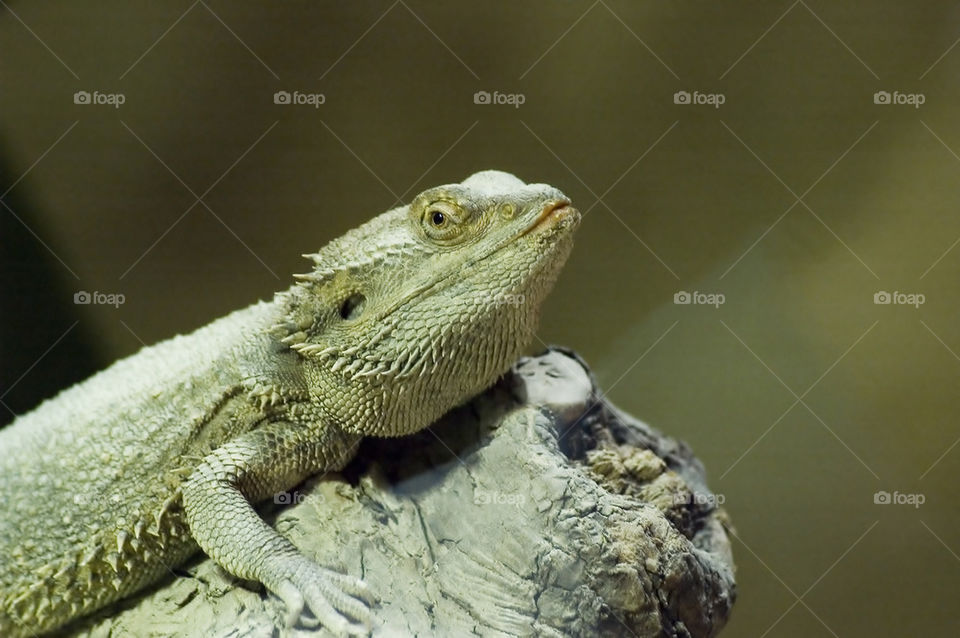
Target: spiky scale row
<point>74,584</point>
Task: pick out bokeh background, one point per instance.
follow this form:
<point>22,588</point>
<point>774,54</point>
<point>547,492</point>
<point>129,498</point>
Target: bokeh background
<point>829,173</point>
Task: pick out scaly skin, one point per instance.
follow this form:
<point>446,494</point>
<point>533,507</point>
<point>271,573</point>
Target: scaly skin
<point>110,484</point>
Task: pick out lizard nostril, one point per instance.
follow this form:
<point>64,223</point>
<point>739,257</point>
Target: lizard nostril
<point>555,205</point>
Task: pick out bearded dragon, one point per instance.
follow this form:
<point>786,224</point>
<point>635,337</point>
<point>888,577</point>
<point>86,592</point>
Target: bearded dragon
<point>116,480</point>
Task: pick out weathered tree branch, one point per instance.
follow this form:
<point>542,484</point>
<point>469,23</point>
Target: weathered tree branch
<point>536,510</point>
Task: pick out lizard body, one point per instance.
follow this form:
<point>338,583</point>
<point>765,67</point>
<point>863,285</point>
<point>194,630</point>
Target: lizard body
<point>109,485</point>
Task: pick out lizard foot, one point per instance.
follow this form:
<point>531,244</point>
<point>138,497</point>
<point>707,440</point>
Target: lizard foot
<point>330,596</point>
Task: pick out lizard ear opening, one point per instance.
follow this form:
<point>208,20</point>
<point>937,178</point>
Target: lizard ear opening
<point>352,306</point>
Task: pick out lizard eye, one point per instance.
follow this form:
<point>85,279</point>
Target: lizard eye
<point>442,222</point>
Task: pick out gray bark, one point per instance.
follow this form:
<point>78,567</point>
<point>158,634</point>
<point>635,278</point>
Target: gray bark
<point>538,509</point>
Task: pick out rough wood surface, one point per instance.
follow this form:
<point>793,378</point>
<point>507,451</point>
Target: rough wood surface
<point>536,510</point>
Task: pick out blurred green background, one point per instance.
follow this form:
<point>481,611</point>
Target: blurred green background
<point>798,199</point>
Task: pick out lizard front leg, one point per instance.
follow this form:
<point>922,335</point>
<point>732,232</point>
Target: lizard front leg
<point>217,499</point>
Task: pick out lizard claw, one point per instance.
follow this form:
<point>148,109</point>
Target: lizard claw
<point>331,598</point>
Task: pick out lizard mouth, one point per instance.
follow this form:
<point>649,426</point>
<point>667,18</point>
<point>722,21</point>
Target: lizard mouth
<point>554,212</point>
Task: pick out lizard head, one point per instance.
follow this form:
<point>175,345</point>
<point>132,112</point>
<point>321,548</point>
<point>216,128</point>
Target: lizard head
<point>428,304</point>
